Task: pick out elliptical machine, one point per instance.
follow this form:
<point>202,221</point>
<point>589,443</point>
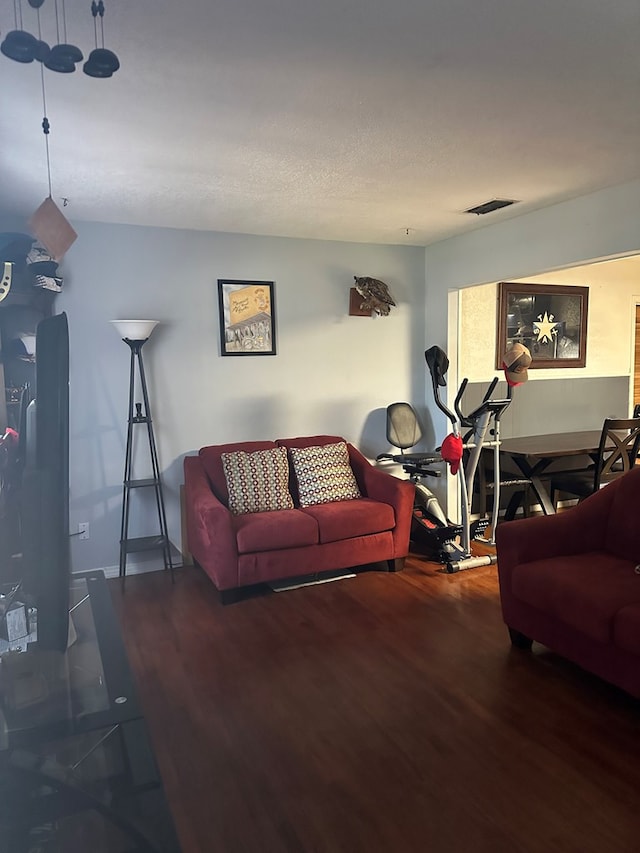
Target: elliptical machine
<point>478,423</point>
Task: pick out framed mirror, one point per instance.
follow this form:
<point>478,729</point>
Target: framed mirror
<point>550,320</point>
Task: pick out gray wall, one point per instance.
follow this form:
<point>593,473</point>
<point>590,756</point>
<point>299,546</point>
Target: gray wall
<point>333,373</point>
<point>556,405</point>
<point>600,225</point>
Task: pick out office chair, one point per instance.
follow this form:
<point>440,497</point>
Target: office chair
<point>403,428</point>
<point>403,432</point>
<point>617,454</point>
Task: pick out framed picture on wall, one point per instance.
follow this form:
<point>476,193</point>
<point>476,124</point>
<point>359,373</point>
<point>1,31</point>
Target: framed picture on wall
<point>550,320</point>
<point>247,317</point>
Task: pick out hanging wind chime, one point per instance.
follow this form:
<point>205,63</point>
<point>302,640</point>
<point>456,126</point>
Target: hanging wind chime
<point>22,46</point>
<point>48,223</point>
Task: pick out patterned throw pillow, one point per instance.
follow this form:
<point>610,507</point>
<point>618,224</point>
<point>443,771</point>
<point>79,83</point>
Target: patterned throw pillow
<point>258,481</point>
<point>324,474</point>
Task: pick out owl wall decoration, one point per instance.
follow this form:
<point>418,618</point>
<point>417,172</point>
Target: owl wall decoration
<point>375,295</point>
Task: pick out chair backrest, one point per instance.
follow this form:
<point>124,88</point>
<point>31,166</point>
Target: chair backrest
<point>619,447</point>
<point>403,429</point>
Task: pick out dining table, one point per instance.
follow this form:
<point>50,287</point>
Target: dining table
<point>533,454</point>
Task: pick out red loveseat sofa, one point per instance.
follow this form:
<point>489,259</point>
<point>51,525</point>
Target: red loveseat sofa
<point>242,550</point>
<point>572,582</point>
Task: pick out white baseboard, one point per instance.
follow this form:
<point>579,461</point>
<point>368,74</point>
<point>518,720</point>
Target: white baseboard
<point>140,568</point>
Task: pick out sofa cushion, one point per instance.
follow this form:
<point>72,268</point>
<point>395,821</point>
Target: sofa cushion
<point>349,519</point>
<point>323,474</point>
<point>272,531</point>
<point>584,591</point>
<point>258,481</point>
<point>626,627</point>
<point>210,457</point>
<point>304,441</point>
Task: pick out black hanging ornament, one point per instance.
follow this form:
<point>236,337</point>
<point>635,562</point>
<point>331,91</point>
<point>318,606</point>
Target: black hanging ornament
<point>63,56</point>
<point>101,62</point>
<point>19,46</point>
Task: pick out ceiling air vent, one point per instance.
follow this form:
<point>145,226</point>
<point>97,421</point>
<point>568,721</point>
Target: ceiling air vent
<point>490,206</point>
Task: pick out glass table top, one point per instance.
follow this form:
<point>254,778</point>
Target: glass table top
<point>77,768</point>
<point>87,686</point>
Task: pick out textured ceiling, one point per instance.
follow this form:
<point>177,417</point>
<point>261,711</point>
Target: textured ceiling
<point>340,119</point>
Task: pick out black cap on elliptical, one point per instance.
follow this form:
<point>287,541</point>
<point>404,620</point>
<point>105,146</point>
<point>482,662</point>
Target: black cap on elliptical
<point>438,364</point>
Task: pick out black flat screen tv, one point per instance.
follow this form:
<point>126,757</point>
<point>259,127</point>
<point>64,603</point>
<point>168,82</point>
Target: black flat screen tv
<point>45,486</point>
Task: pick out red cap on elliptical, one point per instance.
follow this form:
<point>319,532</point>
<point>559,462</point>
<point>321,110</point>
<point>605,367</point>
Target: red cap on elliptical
<point>451,451</point>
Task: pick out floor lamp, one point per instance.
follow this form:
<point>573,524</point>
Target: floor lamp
<point>135,333</point>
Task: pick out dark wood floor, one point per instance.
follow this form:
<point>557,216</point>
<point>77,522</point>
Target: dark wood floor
<point>381,713</point>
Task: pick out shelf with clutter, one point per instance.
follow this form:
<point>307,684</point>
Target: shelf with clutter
<point>29,284</point>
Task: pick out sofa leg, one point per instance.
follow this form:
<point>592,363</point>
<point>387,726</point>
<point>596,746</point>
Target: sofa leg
<point>229,596</point>
<point>396,565</point>
<point>519,640</point>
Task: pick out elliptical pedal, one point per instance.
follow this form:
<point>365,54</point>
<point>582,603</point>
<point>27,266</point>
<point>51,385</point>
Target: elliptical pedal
<point>478,528</point>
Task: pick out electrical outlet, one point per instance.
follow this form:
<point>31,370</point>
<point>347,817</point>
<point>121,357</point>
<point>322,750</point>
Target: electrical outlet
<point>83,529</point>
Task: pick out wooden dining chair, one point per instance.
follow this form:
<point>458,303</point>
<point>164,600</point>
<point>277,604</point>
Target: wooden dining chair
<point>617,454</point>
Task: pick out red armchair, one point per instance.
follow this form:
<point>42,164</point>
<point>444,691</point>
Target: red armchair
<point>572,582</point>
<point>241,550</point>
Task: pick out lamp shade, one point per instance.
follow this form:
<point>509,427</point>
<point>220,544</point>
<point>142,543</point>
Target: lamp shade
<point>134,330</point>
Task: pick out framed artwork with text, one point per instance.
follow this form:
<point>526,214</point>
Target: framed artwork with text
<point>247,317</point>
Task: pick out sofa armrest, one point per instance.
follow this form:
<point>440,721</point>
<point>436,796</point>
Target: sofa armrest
<point>211,536</point>
<point>575,531</point>
<point>384,487</point>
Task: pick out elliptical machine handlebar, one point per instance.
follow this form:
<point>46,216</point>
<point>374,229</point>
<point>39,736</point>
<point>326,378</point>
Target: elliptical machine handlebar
<point>458,400</point>
<point>438,364</point>
<point>490,390</point>
<point>496,406</point>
